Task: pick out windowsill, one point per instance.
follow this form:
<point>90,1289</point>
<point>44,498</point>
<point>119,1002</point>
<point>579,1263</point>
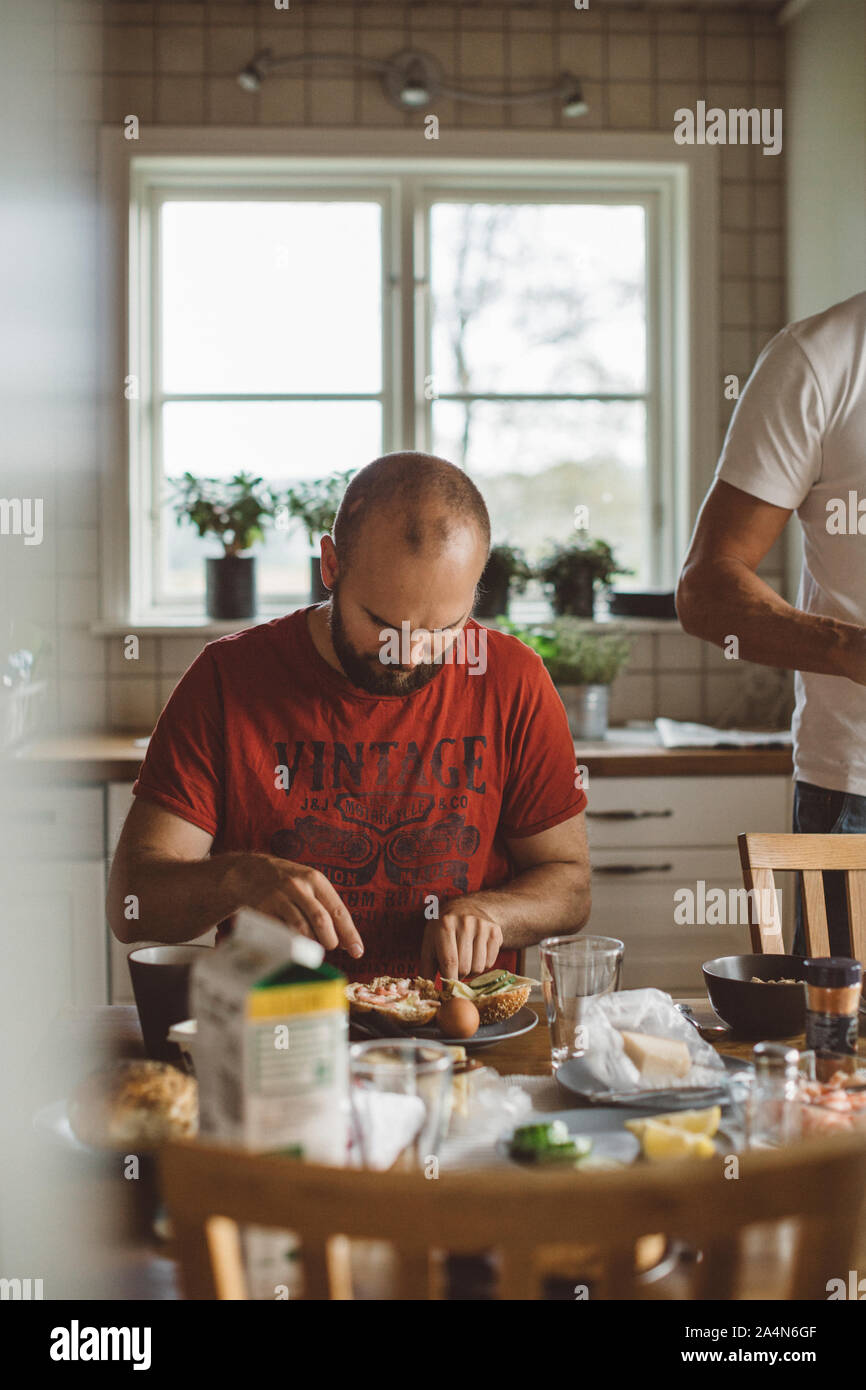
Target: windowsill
<point>189,625</point>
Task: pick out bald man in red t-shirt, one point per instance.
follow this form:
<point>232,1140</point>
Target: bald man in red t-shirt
<point>379,772</point>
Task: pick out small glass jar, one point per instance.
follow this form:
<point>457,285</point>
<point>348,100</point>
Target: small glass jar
<point>773,1114</point>
<point>833,985</point>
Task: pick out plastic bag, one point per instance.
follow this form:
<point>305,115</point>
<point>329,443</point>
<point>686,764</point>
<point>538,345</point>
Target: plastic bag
<point>642,1011</point>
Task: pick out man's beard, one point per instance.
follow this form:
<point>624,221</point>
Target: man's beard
<point>369,672</point>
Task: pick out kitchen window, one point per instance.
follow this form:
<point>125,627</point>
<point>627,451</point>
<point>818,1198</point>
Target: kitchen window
<point>290,319</point>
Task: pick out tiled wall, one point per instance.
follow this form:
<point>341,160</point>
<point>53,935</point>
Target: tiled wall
<point>176,64</point>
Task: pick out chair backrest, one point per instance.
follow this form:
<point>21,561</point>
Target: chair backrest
<point>810,856</point>
<point>520,1215</point>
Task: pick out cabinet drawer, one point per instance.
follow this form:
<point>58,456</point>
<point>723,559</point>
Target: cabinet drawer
<point>53,823</point>
<point>630,811</point>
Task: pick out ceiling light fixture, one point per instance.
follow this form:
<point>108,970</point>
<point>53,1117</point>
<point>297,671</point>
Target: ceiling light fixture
<point>412,79</point>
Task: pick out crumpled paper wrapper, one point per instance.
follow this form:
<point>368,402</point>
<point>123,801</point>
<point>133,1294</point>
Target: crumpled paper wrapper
<point>642,1011</point>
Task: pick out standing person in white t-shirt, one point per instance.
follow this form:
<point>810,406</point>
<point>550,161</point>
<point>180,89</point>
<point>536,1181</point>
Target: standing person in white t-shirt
<point>797,442</point>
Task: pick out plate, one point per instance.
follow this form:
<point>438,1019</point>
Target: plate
<point>604,1126</point>
<point>575,1076</point>
<point>488,1034</point>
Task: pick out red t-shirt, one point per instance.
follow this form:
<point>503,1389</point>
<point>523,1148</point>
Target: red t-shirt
<point>392,798</point>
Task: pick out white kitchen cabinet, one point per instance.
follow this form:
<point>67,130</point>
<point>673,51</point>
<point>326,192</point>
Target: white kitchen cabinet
<point>652,838</point>
<point>54,950</point>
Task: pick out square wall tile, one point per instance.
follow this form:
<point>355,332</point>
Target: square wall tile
<point>582,54</point>
<point>632,697</point>
<point>132,704</point>
<point>178,653</point>
<point>681,696</point>
<point>77,551</point>
<point>180,100</point>
<point>80,654</point>
<point>630,56</point>
<point>677,651</point>
<point>678,56</point>
<point>228,104</point>
<point>631,105</point>
<point>180,48</point>
<point>228,47</point>
<point>128,49</point>
<point>122,658</point>
<point>643,653</point>
<point>82,704</point>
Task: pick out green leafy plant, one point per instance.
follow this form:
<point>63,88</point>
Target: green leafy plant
<point>235,509</point>
<point>314,503</point>
<point>575,653</point>
<point>572,570</point>
<point>507,563</point>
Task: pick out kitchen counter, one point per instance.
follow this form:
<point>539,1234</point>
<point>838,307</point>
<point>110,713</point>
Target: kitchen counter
<point>628,752</point>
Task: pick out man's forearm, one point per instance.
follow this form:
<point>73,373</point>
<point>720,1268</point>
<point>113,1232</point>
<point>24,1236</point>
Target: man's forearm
<point>156,899</point>
<point>546,900</point>
<point>727,599</point>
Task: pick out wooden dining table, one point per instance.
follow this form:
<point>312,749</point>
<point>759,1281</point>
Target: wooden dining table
<point>126,1259</point>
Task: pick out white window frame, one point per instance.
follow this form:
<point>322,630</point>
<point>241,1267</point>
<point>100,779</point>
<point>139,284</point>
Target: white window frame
<point>677,185</point>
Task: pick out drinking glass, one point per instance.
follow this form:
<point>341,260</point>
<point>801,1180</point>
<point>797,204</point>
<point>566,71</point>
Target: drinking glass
<point>400,1095</point>
<point>574,971</point>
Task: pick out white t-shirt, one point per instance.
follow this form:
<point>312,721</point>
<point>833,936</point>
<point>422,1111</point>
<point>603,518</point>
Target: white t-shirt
<point>797,439</point>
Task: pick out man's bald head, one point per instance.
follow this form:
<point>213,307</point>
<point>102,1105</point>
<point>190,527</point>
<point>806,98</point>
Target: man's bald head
<point>421,501</point>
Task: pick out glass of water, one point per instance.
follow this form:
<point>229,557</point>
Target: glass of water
<point>574,971</point>
<point>400,1095</point>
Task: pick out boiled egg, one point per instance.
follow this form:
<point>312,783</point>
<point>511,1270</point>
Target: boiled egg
<point>458,1018</point>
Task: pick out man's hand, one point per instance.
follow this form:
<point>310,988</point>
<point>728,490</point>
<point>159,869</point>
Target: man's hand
<point>304,899</point>
<point>465,941</point>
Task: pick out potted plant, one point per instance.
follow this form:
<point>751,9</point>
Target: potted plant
<point>235,510</point>
<point>571,572</point>
<point>583,664</point>
<point>506,572</point>
<point>314,503</point>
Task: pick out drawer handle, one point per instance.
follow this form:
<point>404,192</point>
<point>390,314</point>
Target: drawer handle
<point>632,868</point>
<point>626,815</point>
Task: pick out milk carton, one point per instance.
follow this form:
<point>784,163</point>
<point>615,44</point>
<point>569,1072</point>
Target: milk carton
<point>271,1058</point>
<point>272,1043</point>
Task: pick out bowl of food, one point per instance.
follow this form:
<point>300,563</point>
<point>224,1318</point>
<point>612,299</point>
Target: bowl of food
<point>759,997</point>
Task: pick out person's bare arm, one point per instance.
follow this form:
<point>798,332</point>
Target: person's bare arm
<point>164,886</point>
<point>549,894</point>
<point>720,595</point>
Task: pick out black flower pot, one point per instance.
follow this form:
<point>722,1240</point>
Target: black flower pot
<point>493,599</point>
<point>576,599</point>
<point>231,587</point>
<point>318,592</point>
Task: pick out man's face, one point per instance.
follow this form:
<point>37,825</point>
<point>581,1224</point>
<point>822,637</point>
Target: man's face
<point>387,587</point>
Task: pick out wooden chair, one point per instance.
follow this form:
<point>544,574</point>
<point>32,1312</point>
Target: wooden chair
<point>809,855</point>
<point>820,1183</point>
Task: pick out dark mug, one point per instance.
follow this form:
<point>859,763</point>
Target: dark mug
<point>160,981</point>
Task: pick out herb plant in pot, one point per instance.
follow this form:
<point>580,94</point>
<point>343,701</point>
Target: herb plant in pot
<point>583,664</point>
<point>314,503</point>
<point>572,571</point>
<point>236,511</point>
<point>506,572</point>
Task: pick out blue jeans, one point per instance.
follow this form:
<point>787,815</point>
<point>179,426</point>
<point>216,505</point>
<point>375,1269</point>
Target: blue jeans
<point>819,811</point>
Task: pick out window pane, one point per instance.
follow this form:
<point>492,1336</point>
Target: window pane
<point>536,461</point>
<point>271,297</point>
<point>281,441</point>
<point>538,297</point>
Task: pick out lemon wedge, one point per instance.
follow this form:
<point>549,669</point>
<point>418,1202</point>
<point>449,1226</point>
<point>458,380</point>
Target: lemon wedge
<point>695,1121</point>
<point>664,1141</point>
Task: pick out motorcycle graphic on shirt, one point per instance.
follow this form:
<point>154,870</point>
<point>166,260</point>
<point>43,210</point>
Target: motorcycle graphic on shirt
<point>413,852</point>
